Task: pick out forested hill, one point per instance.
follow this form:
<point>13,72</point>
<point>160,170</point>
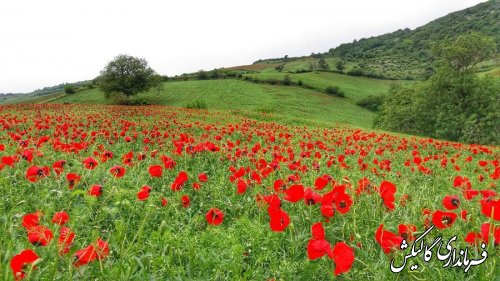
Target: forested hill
<point>410,49</point>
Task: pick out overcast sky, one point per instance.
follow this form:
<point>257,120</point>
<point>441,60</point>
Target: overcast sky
<point>45,43</point>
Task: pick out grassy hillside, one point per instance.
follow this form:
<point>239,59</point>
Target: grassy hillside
<point>403,54</point>
<point>355,88</point>
<point>409,49</point>
<point>290,104</point>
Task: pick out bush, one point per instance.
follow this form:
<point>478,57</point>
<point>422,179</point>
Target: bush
<point>199,104</point>
<point>69,89</point>
<point>202,75</point>
<point>355,72</point>
<point>334,91</point>
<point>371,102</point>
<point>287,80</point>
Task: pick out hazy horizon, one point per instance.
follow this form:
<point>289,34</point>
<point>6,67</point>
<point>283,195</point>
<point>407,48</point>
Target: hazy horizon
<point>46,44</point>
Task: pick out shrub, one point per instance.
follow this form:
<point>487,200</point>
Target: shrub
<point>356,72</point>
<point>371,102</point>
<point>69,89</point>
<point>198,104</point>
<point>202,75</point>
<point>334,91</point>
<point>287,80</point>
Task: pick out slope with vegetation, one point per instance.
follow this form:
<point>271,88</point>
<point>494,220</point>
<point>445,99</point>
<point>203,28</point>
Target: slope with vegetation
<point>271,102</point>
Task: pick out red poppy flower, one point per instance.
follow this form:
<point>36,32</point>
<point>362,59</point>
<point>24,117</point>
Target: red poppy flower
<point>60,218</point>
<point>168,163</point>
<point>66,237</point>
<point>488,193</point>
<point>406,231</point>
<point>214,216</point>
<point>163,201</point>
<point>31,220</point>
<point>203,177</point>
<point>343,202</point>
<point>96,190</point>
<point>72,179</point>
<point>185,201</point>
<point>362,185</point>
<point>443,219</point>
<point>491,208</point>
<point>279,185</point>
<point>117,171</point>
<point>34,173</point>
<point>40,235</point>
<point>241,186</point>
<point>387,240</point>
<point>9,160</point>
<point>318,246</point>
<point>98,250</point>
<point>474,238</point>
<point>322,181</point>
<point>327,210</point>
<point>343,256</point>
<point>278,219</point>
<point>155,171</point>
<point>451,202</point>
<point>387,190</point>
<point>143,194</point>
<point>106,155</point>
<point>58,166</point>
<point>470,193</point>
<point>294,193</point>
<point>179,181</point>
<point>90,163</point>
<point>85,256</point>
<point>311,197</point>
<point>19,263</point>
<point>461,182</point>
<point>102,249</point>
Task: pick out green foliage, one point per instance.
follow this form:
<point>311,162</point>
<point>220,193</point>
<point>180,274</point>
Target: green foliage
<point>279,68</point>
<point>466,51</point>
<point>127,76</point>
<point>454,104</point>
<point>322,64</point>
<point>371,102</point>
<point>69,89</point>
<point>198,104</point>
<point>287,81</point>
<point>202,75</point>
<point>406,53</point>
<point>334,91</point>
<point>340,65</point>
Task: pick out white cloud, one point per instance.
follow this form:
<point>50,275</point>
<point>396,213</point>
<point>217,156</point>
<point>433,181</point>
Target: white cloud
<point>44,43</point>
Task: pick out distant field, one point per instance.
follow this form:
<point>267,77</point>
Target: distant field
<point>291,103</point>
<point>253,67</point>
<point>355,88</point>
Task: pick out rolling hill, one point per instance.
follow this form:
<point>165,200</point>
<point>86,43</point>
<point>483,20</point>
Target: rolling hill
<point>405,53</point>
<point>289,104</point>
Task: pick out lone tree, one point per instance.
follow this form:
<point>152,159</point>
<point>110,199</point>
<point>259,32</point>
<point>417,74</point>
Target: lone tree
<point>127,76</point>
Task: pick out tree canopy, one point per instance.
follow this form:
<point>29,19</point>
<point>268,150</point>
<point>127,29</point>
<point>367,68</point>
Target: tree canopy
<point>454,103</point>
<point>127,75</point>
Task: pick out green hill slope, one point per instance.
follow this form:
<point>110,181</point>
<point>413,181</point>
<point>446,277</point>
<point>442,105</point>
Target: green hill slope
<point>409,49</point>
<point>290,104</point>
<point>403,54</point>
<point>355,88</point>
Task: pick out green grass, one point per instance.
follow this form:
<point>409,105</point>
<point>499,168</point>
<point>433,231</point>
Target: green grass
<point>289,104</point>
<point>355,88</point>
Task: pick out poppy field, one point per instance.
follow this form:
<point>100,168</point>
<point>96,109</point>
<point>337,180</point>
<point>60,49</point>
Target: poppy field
<point>101,192</point>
